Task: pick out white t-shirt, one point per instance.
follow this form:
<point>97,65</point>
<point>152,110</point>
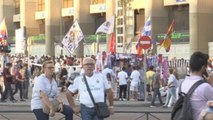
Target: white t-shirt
<point>172,81</point>
<point>122,78</point>
<point>107,70</point>
<point>135,76</point>
<point>49,88</point>
<point>97,84</point>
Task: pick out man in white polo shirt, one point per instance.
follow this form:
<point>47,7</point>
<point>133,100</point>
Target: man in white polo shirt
<point>98,84</point>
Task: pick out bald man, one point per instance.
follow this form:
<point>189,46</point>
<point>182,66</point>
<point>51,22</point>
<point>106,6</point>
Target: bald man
<point>98,84</point>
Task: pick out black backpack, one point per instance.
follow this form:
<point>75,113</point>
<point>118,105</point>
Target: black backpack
<point>182,109</point>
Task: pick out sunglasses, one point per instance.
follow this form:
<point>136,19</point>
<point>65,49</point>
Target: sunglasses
<point>89,64</point>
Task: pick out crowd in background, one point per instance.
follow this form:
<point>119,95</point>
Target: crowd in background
<point>130,79</point>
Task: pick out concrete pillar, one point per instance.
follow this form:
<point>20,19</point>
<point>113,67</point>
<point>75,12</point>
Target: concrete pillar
<point>85,20</point>
<point>7,10</point>
<point>159,18</point>
<point>28,21</point>
<point>52,25</point>
<point>200,19</point>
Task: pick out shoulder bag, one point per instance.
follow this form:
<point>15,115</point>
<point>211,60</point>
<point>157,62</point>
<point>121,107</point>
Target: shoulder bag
<point>55,104</point>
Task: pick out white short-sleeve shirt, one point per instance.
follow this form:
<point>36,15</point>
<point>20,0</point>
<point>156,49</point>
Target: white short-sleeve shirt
<point>135,76</point>
<point>122,78</point>
<point>49,88</point>
<point>173,81</point>
<point>97,84</point>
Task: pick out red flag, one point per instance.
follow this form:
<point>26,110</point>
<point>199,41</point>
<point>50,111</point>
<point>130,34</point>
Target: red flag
<point>166,43</point>
<point>112,45</point>
<point>139,50</point>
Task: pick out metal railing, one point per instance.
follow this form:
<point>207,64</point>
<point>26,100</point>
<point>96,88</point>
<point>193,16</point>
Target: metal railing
<point>144,113</point>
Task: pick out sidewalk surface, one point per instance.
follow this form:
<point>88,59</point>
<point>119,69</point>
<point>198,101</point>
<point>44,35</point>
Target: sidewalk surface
<point>62,96</point>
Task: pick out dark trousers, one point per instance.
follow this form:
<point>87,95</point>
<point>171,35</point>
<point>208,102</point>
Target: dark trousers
<point>156,93</point>
<point>25,89</point>
<point>8,89</point>
<point>67,111</point>
<point>123,89</point>
<point>19,86</point>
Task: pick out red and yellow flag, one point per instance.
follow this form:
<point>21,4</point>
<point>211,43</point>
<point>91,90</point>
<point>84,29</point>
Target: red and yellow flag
<point>112,45</point>
<point>3,30</point>
<point>166,43</point>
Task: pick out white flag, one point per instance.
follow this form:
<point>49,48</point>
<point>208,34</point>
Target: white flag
<point>107,27</point>
<point>73,37</point>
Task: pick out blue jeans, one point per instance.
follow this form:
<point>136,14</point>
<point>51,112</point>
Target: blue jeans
<point>67,111</point>
<point>88,113</point>
<point>155,94</point>
<point>171,94</point>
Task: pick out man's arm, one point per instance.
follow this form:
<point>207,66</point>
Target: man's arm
<point>46,101</point>
<point>71,102</point>
<point>111,100</point>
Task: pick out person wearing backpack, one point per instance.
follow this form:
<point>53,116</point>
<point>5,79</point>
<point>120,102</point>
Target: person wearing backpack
<point>191,105</point>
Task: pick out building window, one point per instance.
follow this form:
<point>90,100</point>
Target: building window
<point>17,3</point>
<point>120,13</point>
<point>120,30</point>
<point>120,21</point>
<point>17,6</point>
<point>68,3</point>
<point>41,5</point>
<point>120,4</point>
<point>120,39</point>
<point>98,1</point>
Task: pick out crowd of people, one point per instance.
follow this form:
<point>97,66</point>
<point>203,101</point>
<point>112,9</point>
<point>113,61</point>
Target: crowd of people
<point>122,81</point>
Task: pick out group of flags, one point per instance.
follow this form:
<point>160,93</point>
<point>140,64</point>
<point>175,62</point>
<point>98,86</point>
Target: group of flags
<point>146,31</point>
<point>75,35</point>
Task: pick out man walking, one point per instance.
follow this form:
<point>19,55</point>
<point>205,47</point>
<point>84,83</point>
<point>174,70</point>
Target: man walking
<point>156,86</point>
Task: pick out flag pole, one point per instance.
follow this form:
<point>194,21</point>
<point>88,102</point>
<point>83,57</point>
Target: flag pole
<point>145,67</point>
<point>97,40</point>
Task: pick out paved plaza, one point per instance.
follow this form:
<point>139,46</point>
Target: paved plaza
<point>126,110</point>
